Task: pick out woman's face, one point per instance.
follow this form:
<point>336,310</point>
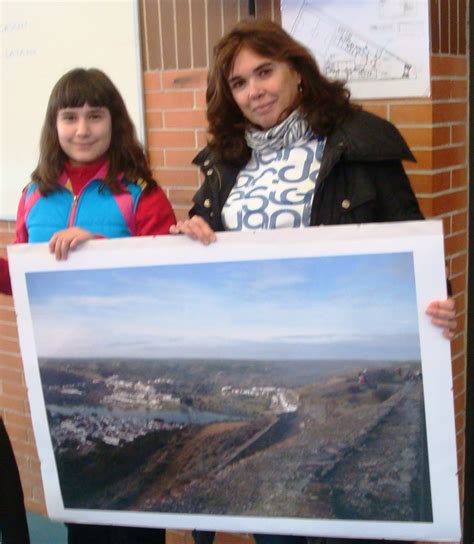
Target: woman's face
<point>263,88</point>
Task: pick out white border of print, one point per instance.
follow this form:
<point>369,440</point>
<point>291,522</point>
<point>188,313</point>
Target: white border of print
<point>423,238</point>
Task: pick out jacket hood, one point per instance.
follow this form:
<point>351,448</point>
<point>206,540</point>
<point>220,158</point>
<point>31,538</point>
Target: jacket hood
<point>365,137</point>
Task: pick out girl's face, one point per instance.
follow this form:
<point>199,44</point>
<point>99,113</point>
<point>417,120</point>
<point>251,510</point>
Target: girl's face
<point>84,133</point>
<point>263,88</point>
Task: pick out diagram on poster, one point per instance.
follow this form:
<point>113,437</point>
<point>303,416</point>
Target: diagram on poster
<point>380,47</point>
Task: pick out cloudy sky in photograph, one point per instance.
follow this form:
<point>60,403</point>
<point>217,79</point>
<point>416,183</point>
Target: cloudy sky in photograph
<point>358,306</point>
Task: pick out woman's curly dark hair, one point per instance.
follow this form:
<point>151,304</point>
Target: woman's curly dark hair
<point>125,155</point>
<point>324,103</point>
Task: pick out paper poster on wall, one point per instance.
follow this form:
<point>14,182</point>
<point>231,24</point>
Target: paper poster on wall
<point>380,47</point>
<point>285,382</point>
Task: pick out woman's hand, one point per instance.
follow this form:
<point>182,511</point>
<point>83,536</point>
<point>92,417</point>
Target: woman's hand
<point>443,314</point>
<point>196,229</point>
<point>67,239</point>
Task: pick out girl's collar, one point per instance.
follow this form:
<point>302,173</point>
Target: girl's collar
<point>85,172</point>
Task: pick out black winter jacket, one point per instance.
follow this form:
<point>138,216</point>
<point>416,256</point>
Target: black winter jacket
<point>361,179</point>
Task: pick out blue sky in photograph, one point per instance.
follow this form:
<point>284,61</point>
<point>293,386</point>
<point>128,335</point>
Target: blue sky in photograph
<point>358,306</point>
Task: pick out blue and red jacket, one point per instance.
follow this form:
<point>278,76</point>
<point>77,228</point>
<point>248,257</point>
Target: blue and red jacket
<point>94,208</point>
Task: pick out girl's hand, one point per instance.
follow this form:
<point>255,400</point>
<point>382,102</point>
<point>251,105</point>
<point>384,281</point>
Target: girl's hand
<point>196,229</point>
<point>443,314</point>
<point>67,239</point>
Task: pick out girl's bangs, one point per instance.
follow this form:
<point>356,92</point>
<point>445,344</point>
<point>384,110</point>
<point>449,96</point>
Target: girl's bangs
<point>75,94</point>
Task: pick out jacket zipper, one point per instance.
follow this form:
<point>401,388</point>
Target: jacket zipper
<point>75,200</point>
<point>72,212</point>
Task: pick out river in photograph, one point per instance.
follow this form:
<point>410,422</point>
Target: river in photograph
<point>169,416</point>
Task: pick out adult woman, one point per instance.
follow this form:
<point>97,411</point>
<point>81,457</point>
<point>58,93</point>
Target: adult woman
<point>288,149</point>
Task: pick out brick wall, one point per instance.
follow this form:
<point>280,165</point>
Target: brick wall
<point>174,83</point>
<point>13,402</point>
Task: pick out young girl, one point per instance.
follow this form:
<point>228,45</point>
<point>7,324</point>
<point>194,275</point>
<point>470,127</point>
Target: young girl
<point>92,181</point>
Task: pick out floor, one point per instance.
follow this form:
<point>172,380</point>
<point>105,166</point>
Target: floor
<point>44,531</point>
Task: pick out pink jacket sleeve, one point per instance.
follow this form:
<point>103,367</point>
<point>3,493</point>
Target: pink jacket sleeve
<point>154,214</point>
<point>21,236</point>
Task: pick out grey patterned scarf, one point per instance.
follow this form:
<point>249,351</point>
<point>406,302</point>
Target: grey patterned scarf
<point>291,130</point>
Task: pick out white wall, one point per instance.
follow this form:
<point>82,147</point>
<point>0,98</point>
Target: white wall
<point>42,40</point>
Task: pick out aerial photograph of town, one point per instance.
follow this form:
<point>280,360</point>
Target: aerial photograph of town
<point>279,388</point>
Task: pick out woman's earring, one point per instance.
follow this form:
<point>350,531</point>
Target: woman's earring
<point>300,88</point>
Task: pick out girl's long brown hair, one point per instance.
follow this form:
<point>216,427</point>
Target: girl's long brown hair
<point>125,154</point>
<point>324,103</point>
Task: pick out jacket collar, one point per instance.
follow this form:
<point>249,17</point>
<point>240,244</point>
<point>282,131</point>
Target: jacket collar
<point>206,161</point>
<point>204,155</point>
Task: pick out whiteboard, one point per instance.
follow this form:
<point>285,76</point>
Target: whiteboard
<point>40,41</point>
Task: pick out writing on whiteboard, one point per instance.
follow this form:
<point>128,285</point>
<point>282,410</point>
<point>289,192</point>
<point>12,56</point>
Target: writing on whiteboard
<point>20,52</point>
<point>13,26</point>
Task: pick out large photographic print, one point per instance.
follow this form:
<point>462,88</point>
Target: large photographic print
<point>272,386</point>
<point>218,373</point>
